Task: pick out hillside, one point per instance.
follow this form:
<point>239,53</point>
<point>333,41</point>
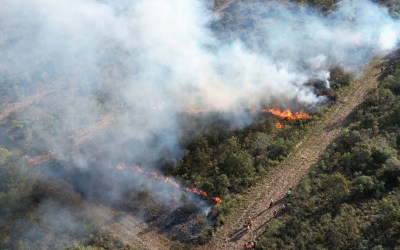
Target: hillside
<point>155,125</point>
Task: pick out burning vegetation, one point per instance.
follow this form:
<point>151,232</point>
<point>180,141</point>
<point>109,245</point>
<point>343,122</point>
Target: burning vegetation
<point>168,180</point>
<point>278,125</point>
<point>288,115</point>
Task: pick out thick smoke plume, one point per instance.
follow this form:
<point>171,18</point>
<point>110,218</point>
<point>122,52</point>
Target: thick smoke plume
<point>147,62</point>
<point>163,54</point>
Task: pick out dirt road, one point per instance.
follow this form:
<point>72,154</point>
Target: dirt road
<point>289,173</point>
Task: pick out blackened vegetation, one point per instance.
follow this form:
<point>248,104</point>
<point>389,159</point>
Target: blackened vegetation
<point>351,198</point>
<point>338,78</point>
<point>184,223</point>
<point>51,211</point>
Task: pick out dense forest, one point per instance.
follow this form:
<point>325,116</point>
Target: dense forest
<point>351,198</point>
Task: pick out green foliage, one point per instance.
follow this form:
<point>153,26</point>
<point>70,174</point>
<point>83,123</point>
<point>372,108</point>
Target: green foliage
<point>222,184</point>
<point>230,202</point>
<point>222,162</point>
<point>338,77</point>
<point>225,163</point>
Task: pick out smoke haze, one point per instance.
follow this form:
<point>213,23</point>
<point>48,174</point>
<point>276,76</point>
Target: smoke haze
<point>162,54</point>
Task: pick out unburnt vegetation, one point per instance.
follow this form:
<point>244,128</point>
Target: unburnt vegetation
<point>350,199</point>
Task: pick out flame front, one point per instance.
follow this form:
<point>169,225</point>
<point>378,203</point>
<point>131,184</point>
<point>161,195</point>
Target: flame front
<point>156,176</point>
<point>287,114</point>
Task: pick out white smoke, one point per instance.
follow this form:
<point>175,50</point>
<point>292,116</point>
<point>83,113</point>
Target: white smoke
<point>172,56</point>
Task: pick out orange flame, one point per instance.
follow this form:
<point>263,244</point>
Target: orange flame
<point>168,180</point>
<point>278,125</point>
<point>217,200</point>
<point>287,114</point>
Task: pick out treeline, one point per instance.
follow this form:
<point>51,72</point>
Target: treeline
<point>351,198</point>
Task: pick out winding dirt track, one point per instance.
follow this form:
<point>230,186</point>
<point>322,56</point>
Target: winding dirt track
<point>289,173</point>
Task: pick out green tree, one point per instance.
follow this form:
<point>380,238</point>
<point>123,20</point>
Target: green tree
<point>222,184</point>
<point>335,188</point>
<point>345,228</point>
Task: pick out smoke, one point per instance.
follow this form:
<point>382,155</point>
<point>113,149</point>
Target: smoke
<point>58,225</point>
<point>164,53</point>
<point>149,61</point>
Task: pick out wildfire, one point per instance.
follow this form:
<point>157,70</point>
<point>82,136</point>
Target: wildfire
<point>287,114</point>
<point>168,180</point>
<point>216,199</point>
<point>278,125</point>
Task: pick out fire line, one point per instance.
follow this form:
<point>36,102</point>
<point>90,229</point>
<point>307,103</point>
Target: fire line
<point>287,114</point>
<point>156,176</point>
